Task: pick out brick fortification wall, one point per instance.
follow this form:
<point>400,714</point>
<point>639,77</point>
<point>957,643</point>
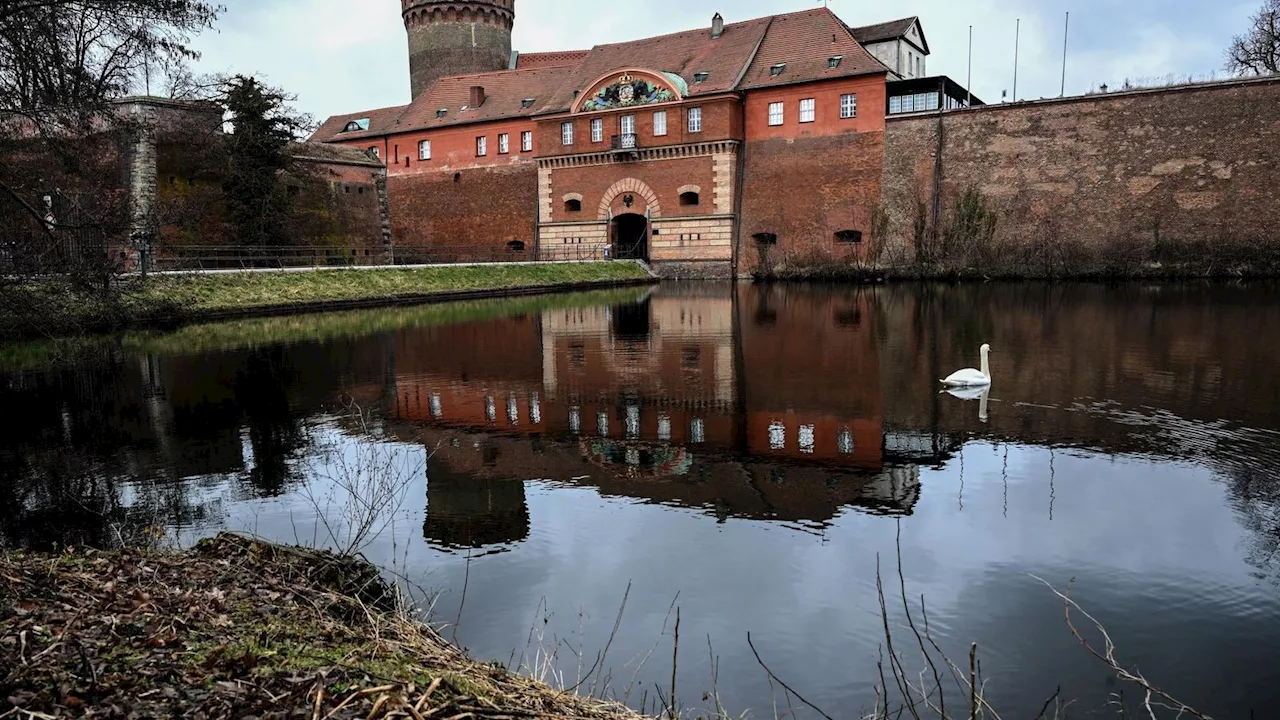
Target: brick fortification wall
<point>1177,176</point>
<point>804,191</point>
<point>468,208</point>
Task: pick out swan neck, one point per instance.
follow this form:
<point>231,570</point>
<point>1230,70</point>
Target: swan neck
<point>986,363</point>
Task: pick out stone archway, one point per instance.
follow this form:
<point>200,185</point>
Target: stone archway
<point>634,186</point>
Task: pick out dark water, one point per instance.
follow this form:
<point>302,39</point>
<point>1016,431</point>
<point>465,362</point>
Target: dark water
<point>747,455</point>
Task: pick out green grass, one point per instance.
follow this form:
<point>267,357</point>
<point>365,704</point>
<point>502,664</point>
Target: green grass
<point>240,291</point>
<point>56,308</point>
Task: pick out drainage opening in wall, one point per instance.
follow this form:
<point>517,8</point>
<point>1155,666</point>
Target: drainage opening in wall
<point>765,238</point>
<point>515,246</point>
<point>457,177</point>
<point>848,236</point>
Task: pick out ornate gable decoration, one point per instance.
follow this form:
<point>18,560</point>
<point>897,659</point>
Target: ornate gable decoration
<point>628,90</point>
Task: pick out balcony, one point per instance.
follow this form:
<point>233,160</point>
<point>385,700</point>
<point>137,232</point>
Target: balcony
<point>625,142</point>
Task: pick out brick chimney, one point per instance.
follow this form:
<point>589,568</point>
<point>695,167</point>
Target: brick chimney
<point>477,96</point>
<point>717,26</point>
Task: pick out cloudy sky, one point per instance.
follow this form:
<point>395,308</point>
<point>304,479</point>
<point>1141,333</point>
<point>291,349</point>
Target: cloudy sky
<point>350,55</point>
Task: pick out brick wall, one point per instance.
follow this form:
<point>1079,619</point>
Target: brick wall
<point>1102,174</point>
<point>664,177</point>
<point>482,207</point>
<point>806,190</point>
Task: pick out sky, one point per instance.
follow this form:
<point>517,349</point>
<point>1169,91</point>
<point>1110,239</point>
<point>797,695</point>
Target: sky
<point>340,56</point>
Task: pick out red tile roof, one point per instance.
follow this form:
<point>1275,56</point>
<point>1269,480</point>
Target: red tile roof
<point>381,122</point>
<point>806,42</point>
<point>741,58</point>
<point>566,58</point>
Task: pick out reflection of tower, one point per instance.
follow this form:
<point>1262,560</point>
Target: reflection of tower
<point>453,37</point>
<point>468,512</point>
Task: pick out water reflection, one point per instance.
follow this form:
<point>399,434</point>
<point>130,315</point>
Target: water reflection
<point>806,409</point>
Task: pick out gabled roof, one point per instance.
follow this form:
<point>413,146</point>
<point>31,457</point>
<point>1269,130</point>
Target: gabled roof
<point>806,42</point>
<point>741,58</point>
<point>380,123</point>
<point>892,30</point>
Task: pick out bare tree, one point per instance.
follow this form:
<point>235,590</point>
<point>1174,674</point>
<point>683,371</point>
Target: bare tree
<point>1257,52</point>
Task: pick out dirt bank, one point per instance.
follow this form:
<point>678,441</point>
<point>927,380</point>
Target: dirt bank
<point>234,629</point>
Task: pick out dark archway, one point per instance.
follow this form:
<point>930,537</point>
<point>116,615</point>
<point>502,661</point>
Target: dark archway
<point>630,236</point>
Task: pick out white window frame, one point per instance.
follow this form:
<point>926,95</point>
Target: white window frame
<point>482,146</point>
<point>808,110</point>
<point>627,125</point>
<point>566,133</point>
<point>424,149</point>
<point>777,113</point>
<point>695,119</point>
<point>504,143</point>
<point>377,152</point>
<point>660,123</point>
<point>597,130</point>
<point>526,141</point>
<point>848,106</point>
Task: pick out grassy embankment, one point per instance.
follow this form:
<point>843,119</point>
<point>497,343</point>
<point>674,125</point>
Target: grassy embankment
<point>37,354</point>
<point>54,308</point>
<point>238,628</point>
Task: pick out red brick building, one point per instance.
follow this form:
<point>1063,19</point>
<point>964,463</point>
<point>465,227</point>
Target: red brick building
<point>675,149</point>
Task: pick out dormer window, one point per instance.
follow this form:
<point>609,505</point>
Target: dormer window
<point>701,77</point>
<point>442,112</point>
<point>526,103</point>
<point>776,70</point>
<point>356,125</point>
<point>834,61</point>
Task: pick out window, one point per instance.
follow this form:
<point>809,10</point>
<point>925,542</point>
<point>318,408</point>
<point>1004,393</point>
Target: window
<point>895,105</point>
<point>526,103</point>
<point>910,62</point>
<point>374,151</point>
<point>695,119</point>
<point>442,112</point>
<point>849,105</point>
<point>597,130</point>
<point>357,125</point>
<point>834,61</point>
<point>765,238</point>
<point>808,110</point>
<point>848,236</point>
<point>700,77</point>
<point>688,198</point>
<point>573,205</point>
<point>482,146</point>
<point>515,246</point>
<point>660,123</point>
<point>919,65</point>
<point>775,113</point>
<point>566,133</point>
<point>526,141</point>
<point>776,70</point>
<point>627,124</point>
<point>504,144</point>
<point>424,150</point>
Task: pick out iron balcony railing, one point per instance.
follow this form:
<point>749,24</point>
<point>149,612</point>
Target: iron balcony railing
<point>626,141</point>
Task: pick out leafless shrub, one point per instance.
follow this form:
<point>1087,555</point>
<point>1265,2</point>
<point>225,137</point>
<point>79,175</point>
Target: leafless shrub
<point>364,483</point>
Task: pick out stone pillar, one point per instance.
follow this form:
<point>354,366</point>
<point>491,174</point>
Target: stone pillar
<point>141,164</point>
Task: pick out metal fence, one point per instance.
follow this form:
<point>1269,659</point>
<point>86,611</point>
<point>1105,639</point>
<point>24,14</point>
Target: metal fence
<point>242,257</point>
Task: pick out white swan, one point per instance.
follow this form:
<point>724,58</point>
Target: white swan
<point>970,377</point>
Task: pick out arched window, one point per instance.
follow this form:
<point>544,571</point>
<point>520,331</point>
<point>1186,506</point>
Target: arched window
<point>515,246</point>
<point>573,204</point>
<point>688,198</point>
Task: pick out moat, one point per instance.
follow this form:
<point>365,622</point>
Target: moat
<point>747,454</point>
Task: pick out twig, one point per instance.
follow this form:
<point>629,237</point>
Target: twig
<point>786,687</point>
<point>675,656</point>
<point>1049,702</point>
<point>1107,656</point>
<point>973,681</point>
<point>617,622</point>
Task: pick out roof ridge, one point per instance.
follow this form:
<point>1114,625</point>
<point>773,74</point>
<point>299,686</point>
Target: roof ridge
<point>751,59</point>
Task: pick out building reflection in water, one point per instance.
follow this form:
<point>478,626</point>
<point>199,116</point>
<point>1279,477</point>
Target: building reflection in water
<point>654,400</point>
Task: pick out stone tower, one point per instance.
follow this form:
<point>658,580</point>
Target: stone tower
<point>447,37</point>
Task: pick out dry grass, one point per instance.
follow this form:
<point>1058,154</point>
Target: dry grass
<point>236,628</point>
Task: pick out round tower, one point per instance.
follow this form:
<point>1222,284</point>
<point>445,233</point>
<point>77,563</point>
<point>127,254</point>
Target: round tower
<point>447,37</point>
